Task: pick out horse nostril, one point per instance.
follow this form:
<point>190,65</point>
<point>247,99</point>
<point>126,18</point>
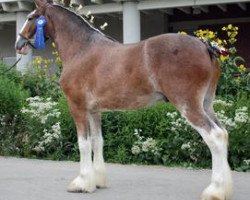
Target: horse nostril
<point>20,42</point>
<point>18,45</point>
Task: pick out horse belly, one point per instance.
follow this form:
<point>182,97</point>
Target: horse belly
<point>127,101</point>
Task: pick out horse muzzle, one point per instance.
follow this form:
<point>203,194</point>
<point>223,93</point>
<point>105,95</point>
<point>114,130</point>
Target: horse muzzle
<point>22,46</point>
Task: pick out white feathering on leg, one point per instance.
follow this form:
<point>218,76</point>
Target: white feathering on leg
<point>85,182</point>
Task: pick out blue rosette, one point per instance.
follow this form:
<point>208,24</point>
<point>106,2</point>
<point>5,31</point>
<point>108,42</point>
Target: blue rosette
<point>39,38</point>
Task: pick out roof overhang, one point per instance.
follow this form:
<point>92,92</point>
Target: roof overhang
<point>99,7</point>
<point>115,6</point>
<point>16,6</point>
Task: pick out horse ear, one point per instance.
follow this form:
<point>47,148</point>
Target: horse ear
<point>42,3</point>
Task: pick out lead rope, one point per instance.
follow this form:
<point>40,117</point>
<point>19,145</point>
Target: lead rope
<point>13,65</point>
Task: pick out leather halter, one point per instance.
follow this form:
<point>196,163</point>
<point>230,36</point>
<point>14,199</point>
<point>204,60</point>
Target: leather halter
<point>28,41</point>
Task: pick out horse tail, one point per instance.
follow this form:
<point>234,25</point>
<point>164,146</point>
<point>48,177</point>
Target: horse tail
<point>212,86</point>
<point>214,49</point>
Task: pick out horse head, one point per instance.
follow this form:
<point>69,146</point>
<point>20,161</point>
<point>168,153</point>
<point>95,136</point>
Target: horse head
<point>23,41</point>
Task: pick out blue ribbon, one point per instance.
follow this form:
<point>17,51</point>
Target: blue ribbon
<point>39,39</point>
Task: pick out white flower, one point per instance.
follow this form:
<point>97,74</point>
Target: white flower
<point>39,148</point>
<point>241,115</point>
<point>136,132</point>
<point>247,161</point>
<point>135,150</point>
<point>224,103</point>
<point>185,146</point>
<point>172,115</point>
<point>229,122</point>
<point>141,145</point>
<point>244,109</point>
<point>56,129</point>
<point>173,129</point>
<point>149,145</point>
<point>42,109</point>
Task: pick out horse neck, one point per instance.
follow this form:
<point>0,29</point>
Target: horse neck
<point>70,38</point>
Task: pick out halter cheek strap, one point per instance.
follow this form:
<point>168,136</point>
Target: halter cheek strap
<point>40,39</point>
<point>27,40</point>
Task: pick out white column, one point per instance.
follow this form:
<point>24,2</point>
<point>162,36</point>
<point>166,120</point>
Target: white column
<point>131,22</point>
<point>26,59</point>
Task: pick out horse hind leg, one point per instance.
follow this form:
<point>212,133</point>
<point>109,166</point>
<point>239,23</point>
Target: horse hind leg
<point>197,110</point>
<point>220,187</point>
<point>216,139</point>
<point>221,175</point>
<point>97,144</point>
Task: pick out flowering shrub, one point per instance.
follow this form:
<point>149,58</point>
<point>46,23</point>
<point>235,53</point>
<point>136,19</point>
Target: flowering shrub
<point>236,119</point>
<point>42,78</point>
<point>145,149</point>
<point>160,135</point>
<point>190,147</point>
<point>48,137</point>
<point>235,79</point>
<point>240,117</point>
<point>41,109</point>
<point>44,131</point>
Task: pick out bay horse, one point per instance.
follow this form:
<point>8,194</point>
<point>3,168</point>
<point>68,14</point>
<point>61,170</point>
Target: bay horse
<point>101,75</point>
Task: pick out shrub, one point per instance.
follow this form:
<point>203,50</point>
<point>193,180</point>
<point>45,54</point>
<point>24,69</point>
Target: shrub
<point>41,79</point>
<point>12,99</point>
<point>69,145</point>
<point>170,140</point>
<point>48,130</point>
<point>12,95</point>
<point>43,130</point>
<point>11,74</point>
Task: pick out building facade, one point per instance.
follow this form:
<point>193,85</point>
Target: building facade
<point>130,21</point>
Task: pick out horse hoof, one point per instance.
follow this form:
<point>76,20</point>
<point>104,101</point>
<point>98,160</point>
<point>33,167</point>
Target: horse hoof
<point>101,179</point>
<point>214,193</point>
<point>82,184</point>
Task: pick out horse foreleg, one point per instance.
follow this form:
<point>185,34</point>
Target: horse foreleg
<point>85,181</point>
<point>97,143</point>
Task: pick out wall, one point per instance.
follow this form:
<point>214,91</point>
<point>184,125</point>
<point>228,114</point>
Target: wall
<point>152,24</point>
<point>114,28</point>
<point>7,41</point>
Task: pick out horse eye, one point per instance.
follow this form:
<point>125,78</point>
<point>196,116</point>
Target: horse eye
<point>30,18</point>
